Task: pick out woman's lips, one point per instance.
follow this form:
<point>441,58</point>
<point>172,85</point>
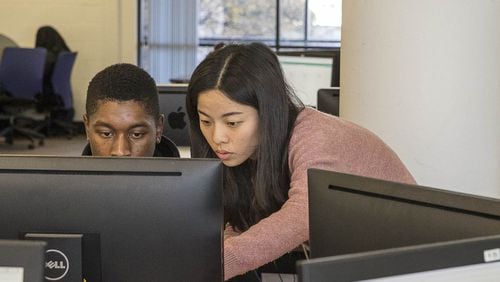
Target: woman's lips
<point>223,155</point>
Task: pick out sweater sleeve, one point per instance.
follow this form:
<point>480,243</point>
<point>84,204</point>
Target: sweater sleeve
<point>271,237</point>
<point>318,141</point>
<point>284,230</point>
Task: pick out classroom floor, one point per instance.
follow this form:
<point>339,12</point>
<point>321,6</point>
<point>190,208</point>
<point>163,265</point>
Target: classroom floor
<point>60,146</point>
<point>52,146</point>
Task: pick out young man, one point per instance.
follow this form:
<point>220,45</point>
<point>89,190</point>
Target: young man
<point>123,115</point>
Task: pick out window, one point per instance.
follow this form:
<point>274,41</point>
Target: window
<point>175,35</point>
<point>280,23</point>
<point>168,38</point>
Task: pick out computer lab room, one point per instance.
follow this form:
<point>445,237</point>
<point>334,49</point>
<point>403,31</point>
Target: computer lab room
<point>249,140</point>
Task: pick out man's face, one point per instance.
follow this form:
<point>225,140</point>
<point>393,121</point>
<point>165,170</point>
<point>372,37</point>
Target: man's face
<point>122,128</point>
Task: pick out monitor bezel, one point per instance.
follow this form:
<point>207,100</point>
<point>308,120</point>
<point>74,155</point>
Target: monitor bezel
<point>399,261</point>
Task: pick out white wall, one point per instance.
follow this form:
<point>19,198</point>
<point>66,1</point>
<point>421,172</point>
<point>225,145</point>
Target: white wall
<point>425,76</point>
<point>103,32</point>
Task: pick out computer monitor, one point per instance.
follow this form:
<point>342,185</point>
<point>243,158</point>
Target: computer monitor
<point>351,214</point>
<point>22,261</point>
<point>329,100</point>
<point>475,259</point>
<point>172,98</point>
<point>136,219</point>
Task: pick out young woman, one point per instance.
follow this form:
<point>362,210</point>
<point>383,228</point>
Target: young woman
<point>243,112</point>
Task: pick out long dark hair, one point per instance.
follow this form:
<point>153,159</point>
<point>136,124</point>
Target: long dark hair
<point>249,74</point>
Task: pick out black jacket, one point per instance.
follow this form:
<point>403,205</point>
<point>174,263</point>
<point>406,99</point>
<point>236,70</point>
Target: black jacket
<point>166,148</point>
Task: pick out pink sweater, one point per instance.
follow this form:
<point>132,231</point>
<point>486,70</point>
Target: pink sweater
<point>318,141</point>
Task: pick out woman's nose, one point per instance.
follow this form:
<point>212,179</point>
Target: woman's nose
<point>219,134</point>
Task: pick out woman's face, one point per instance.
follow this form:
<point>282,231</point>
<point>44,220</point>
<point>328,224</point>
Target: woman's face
<point>230,128</point>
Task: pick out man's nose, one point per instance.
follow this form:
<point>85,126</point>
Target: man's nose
<point>121,146</point>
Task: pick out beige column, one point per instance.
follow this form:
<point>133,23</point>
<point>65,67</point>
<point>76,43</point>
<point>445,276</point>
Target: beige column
<point>425,76</point>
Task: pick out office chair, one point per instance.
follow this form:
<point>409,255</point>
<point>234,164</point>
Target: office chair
<point>21,79</point>
<point>6,42</point>
<point>60,115</point>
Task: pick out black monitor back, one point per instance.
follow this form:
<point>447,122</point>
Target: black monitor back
<point>458,260</point>
<point>351,214</point>
<point>329,100</point>
<point>157,219</point>
<point>172,99</point>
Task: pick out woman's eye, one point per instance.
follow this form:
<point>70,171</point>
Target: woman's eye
<point>204,122</point>
<point>233,123</point>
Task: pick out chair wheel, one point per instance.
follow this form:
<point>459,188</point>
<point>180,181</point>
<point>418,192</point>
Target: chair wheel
<point>41,142</point>
<point>31,146</point>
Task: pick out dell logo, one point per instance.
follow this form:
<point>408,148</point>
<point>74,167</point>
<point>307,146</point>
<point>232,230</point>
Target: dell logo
<point>56,265</point>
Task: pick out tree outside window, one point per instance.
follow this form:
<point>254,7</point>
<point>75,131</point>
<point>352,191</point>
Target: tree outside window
<point>301,23</point>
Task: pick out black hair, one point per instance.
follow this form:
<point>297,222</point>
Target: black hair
<point>48,37</point>
<point>123,82</point>
<point>249,74</point>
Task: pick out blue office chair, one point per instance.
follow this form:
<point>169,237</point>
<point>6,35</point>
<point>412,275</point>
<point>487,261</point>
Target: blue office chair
<point>6,42</point>
<point>21,79</point>
<point>60,114</point>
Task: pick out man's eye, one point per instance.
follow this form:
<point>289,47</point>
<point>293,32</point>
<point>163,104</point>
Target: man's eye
<point>137,135</point>
<point>105,134</point>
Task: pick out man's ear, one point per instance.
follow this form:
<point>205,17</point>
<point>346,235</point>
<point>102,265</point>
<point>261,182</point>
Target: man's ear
<point>86,122</point>
<point>159,126</point>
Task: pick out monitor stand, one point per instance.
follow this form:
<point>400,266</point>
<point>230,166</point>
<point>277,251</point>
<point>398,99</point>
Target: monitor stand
<point>70,257</point>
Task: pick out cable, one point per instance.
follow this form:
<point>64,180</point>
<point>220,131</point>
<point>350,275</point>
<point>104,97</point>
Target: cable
<point>304,248</point>
<point>278,271</point>
<point>257,275</point>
